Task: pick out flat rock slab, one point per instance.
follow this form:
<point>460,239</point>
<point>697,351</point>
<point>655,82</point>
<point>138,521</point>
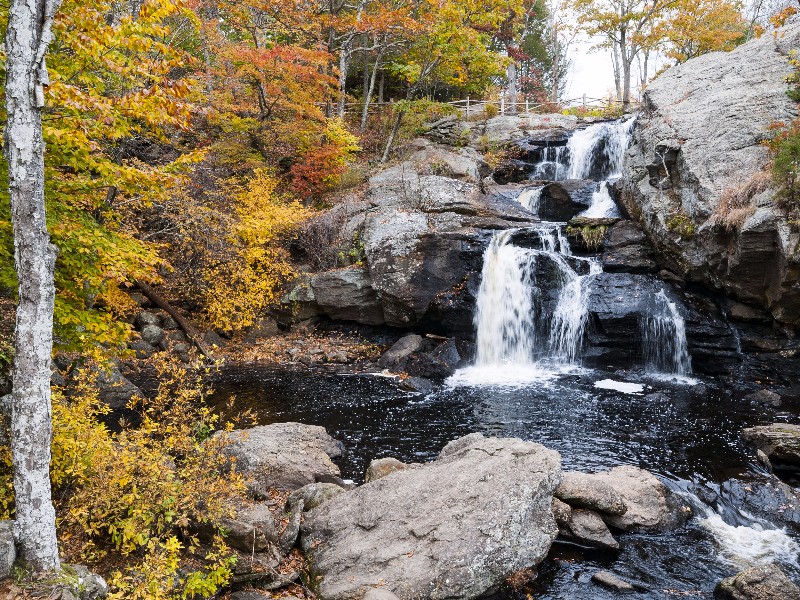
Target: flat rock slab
<point>767,582</point>
<point>282,456</point>
<point>452,528</point>
<point>779,441</point>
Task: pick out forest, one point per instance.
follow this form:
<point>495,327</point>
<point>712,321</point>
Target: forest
<point>185,182</point>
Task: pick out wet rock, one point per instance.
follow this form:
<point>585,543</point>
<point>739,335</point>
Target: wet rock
<point>766,582</point>
<point>590,491</point>
<point>283,456</point>
<point>212,338</point>
<point>145,318</point>
<point>314,494</point>
<point>561,512</point>
<point>765,397</point>
<point>437,364</point>
<point>587,528</point>
<point>152,334</point>
<point>418,384</point>
<point>347,294</point>
<point>696,141</point>
<point>453,528</point>
<point>779,441</point>
<point>562,200</point>
<point>8,552</point>
<point>395,356</point>
<point>612,581</point>
<point>769,499</point>
<point>381,467</point>
<point>650,506</point>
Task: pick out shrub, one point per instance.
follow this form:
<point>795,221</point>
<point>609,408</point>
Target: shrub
<point>735,205</point>
<point>125,500</point>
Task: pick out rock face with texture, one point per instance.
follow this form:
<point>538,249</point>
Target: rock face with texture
<point>283,456</point>
<point>452,528</point>
<point>8,552</point>
<point>779,441</point>
<point>758,583</point>
<point>699,138</point>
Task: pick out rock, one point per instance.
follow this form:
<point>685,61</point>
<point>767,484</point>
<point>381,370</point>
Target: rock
<point>142,348</point>
<point>562,200</point>
<point>439,363</point>
<point>181,348</point>
<point>420,385</point>
<point>169,324</point>
<point>152,334</point>
<point>381,467</point>
<point>145,318</point>
<point>452,528</point>
<point>395,356</point>
<point>585,490</point>
<point>765,397</point>
<point>88,585</point>
<point>249,595</point>
<point>562,512</point>
<point>379,594</point>
<point>466,164</point>
<point>612,581</point>
<point>507,128</point>
<point>212,338</point>
<point>337,356</point>
<point>8,552</point>
<point>114,389</point>
<point>587,528</point>
<point>314,494</point>
<point>347,294</point>
<point>697,141</point>
<point>767,498</point>
<point>650,506</point>
<point>766,582</point>
<point>253,529</point>
<point>283,456</point>
<point>779,441</point>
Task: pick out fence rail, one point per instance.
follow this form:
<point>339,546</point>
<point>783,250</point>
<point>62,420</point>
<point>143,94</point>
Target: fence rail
<point>471,106</point>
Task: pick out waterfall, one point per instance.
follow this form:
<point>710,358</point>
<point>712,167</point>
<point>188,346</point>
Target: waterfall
<point>505,331</point>
<point>664,345</point>
<point>599,149</point>
<point>531,198</point>
<point>602,204</point>
<point>570,316</point>
<point>553,166</point>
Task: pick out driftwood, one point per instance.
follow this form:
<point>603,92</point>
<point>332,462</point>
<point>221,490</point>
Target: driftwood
<point>187,327</point>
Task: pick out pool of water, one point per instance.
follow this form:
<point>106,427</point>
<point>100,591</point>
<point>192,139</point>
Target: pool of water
<point>686,434</point>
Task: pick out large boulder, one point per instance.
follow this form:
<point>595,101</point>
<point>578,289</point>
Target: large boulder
<point>452,528</point>
<point>779,441</point>
<point>562,200</point>
<point>347,294</point>
<point>587,490</point>
<point>766,582</point>
<point>694,173</point>
<point>282,456</point>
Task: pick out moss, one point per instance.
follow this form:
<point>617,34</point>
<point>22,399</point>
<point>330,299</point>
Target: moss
<point>591,237</point>
<point>681,224</point>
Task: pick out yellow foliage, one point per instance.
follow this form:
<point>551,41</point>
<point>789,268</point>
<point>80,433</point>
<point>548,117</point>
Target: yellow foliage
<point>239,289</point>
<point>129,494</point>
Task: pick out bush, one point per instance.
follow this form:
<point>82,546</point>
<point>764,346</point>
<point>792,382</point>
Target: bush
<point>126,500</point>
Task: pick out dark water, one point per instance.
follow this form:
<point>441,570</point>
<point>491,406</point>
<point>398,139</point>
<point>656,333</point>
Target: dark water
<point>687,435</point>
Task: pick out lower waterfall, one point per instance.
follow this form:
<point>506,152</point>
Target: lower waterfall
<point>664,344</point>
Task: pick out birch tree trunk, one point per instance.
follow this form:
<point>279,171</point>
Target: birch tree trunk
<point>27,38</point>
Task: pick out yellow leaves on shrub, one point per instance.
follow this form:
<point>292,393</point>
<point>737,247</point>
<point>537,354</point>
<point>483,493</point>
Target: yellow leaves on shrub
<point>239,289</point>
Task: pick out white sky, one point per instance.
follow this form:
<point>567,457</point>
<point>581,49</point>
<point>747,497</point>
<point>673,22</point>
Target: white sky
<point>591,72</point>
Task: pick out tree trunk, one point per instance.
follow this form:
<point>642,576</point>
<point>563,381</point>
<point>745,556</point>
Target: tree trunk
<point>27,38</point>
<point>617,71</point>
<point>345,53</point>
<point>512,86</point>
<point>371,90</point>
<point>397,122</point>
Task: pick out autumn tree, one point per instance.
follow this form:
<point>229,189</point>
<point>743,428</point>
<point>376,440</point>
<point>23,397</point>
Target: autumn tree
<point>28,35</point>
<point>694,27</point>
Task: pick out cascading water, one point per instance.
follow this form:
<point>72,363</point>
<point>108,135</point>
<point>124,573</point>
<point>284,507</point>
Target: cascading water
<point>664,346</point>
<point>602,204</point>
<point>599,150</point>
<point>570,316</point>
<point>531,198</point>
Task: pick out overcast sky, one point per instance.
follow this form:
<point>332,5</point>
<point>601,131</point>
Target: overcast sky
<point>591,74</point>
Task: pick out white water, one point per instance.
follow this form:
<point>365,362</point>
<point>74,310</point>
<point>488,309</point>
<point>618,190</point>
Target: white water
<point>599,147</point>
<point>746,545</point>
<point>625,387</point>
<point>530,199</point>
<point>570,317</point>
<point>664,346</point>
<point>602,204</point>
<point>553,165</point>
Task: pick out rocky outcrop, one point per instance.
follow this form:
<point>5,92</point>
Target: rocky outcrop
<point>779,441</point>
<point>8,552</point>
<point>627,498</point>
<point>699,140</point>
<point>452,528</point>
<point>282,456</point>
<point>767,582</point>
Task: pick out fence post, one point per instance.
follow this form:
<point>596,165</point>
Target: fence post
<point>584,101</point>
<point>527,105</point>
<point>467,116</point>
<point>502,105</point>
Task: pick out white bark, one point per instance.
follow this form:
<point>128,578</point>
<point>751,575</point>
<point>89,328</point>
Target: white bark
<point>27,37</point>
